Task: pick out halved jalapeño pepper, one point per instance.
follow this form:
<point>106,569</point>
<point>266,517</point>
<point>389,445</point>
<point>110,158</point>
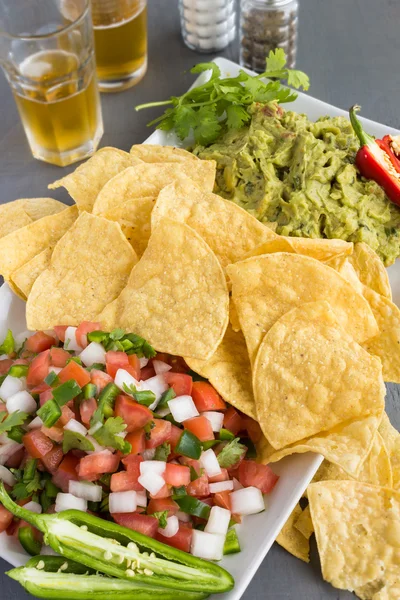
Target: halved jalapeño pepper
<point>120,552</point>
<point>56,577</point>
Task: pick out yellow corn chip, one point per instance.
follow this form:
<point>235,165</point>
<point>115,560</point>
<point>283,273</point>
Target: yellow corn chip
<point>322,250</point>
<point>89,267</point>
<point>24,277</point>
<point>37,208</point>
<point>12,217</point>
<point>370,269</point>
<point>153,153</point>
<point>229,371</point>
<point>266,287</point>
<point>304,523</point>
<point>176,296</point>
<point>391,438</point>
<point>292,540</point>
<point>233,316</point>
<point>135,221</point>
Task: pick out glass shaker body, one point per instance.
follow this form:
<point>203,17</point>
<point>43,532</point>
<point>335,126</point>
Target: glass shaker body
<point>208,25</point>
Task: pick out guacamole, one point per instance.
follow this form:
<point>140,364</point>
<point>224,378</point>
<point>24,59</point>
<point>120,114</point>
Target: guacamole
<point>300,176</point>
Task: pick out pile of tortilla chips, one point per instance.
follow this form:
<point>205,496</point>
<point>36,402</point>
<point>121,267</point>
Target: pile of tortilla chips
<point>299,334</point>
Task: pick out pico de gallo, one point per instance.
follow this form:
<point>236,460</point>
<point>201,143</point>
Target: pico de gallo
<point>102,423</point>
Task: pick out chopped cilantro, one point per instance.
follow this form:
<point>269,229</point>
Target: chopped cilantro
<point>231,453</point>
<point>12,420</point>
<point>117,334</point>
<point>8,345</point>
<point>145,397</point>
<point>74,440</point>
<point>162,518</point>
<point>28,481</point>
<point>162,452</point>
<point>107,435</point>
<point>16,434</point>
<point>147,429</point>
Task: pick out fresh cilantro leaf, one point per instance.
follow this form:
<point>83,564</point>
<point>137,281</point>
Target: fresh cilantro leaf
<point>147,429</point>
<point>8,345</point>
<point>162,452</point>
<point>231,453</point>
<point>145,397</point>
<point>184,120</point>
<point>208,66</point>
<point>76,441</point>
<point>237,116</point>
<point>16,434</point>
<point>12,420</point>
<point>117,334</point>
<point>162,518</point>
<point>208,126</point>
<point>298,79</point>
<point>276,60</point>
<point>107,434</point>
<point>140,346</point>
<point>30,482</point>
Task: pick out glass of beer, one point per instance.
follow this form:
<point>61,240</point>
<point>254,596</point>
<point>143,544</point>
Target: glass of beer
<point>47,53</point>
<point>120,35</point>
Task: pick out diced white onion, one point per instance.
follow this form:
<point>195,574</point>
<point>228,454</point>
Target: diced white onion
<point>74,425</point>
<point>221,486</point>
<point>184,517</point>
<point>86,490</point>
<point>153,466</point>
<point>143,362</point>
<point>236,484</point>
<point>55,370</point>
<point>9,449</point>
<point>247,501</point>
<point>11,386</point>
<point>122,502</point>
<point>141,498</point>
<point>157,385</point>
<point>96,445</point>
<point>7,476</point>
<point>95,428</point>
<point>71,342</point>
<point>93,353</point>
<point>21,401</point>
<point>152,482</point>
<point>216,419</point>
<point>149,454</point>
<point>161,367</point>
<point>34,507</point>
<point>67,501</point>
<point>218,521</point>
<point>19,338</point>
<point>163,412</point>
<point>171,528</point>
<point>207,545</point>
<point>209,462</point>
<point>183,408</point>
<point>124,379</point>
<point>121,434</point>
<point>4,437</point>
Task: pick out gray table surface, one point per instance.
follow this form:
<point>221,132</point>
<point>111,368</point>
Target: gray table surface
<point>350,50</point>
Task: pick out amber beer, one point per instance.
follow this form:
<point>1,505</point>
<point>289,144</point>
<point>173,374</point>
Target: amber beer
<point>120,34</point>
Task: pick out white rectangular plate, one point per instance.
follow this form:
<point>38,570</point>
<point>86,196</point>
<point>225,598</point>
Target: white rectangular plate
<point>258,532</point>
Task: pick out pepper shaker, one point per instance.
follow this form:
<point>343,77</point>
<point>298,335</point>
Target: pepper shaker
<point>208,25</point>
<point>264,26</point>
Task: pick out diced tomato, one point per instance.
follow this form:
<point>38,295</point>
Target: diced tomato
<point>74,371</point>
<point>59,357</point>
<point>180,383</point>
<point>132,463</point>
<point>93,465</point>
<point>45,396</point>
<point>3,407</point>
<point>83,329</point>
<point>125,481</point>
<point>137,439</point>
<point>134,414</point>
<point>60,332</point>
<point>38,369</point>
<point>39,341</point>
<point>175,435</point>
<point>252,428</point>
<point>165,492</point>
<point>99,379</point>
<point>161,504</point>
<point>181,540</point>
<point>223,500</point>
<point>147,373</point>
<point>66,415</point>
<point>54,433</point>
<point>15,459</point>
<point>233,420</point>
<point>178,364</point>
<point>6,518</point>
<point>206,397</point>
<point>191,462</point>
<point>177,475</point>
<point>52,459</point>
<point>87,409</point>
<point>5,365</point>
<point>137,522</point>
<point>115,361</point>
<point>200,427</point>
<point>159,434</point>
<point>134,364</point>
<point>223,476</point>
<point>163,357</point>
<point>66,472</point>
<point>37,444</point>
<point>199,487</point>
<point>259,476</point>
<point>41,387</point>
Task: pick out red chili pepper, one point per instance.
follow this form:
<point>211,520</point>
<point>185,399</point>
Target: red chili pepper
<point>377,159</point>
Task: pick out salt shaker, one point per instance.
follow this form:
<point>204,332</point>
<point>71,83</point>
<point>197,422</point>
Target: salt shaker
<point>208,25</point>
<point>266,25</point>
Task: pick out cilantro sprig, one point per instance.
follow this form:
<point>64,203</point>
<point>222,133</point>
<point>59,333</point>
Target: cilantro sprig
<point>28,481</point>
<point>231,453</point>
<point>107,435</point>
<point>12,420</point>
<point>8,345</point>
<point>222,102</point>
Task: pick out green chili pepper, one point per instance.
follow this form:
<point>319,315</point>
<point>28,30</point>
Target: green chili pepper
<point>226,435</point>
<point>189,445</point>
<point>50,412</point>
<point>89,391</point>
<point>52,378</point>
<point>121,552</point>
<point>106,404</point>
<point>55,577</point>
<point>66,391</point>
<point>28,541</point>
<point>18,371</point>
<point>97,336</point>
<point>193,506</point>
<point>166,397</point>
<point>232,545</point>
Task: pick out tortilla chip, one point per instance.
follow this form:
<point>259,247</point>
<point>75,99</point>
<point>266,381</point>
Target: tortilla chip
<point>176,296</point>
<point>135,221</point>
<point>12,217</point>
<point>292,540</point>
<point>20,246</point>
<point>322,250</point>
<point>84,184</point>
<point>386,344</point>
<point>266,287</point>
<point>311,376</point>
<point>391,438</point>
<point>24,277</point>
<point>304,523</point>
<point>89,267</point>
<point>357,527</point>
<point>370,269</point>
<point>148,180</point>
<point>233,316</point>
<point>230,231</point>
<point>229,371</point>
<point>37,208</point>
<point>347,271</point>
<point>153,153</point>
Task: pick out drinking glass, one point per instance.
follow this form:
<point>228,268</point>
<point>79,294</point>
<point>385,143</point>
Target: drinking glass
<point>120,35</point>
<point>47,53</point>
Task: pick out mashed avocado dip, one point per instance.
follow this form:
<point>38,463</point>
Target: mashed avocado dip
<point>300,177</point>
